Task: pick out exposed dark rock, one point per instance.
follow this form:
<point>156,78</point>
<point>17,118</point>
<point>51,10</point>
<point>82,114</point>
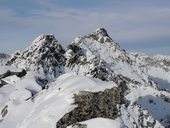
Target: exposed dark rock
<point>74,48</point>
<point>165,98</point>
<point>76,55</point>
<point>6,74</point>
<point>4,111</point>
<point>102,32</point>
<point>78,125</point>
<point>92,105</point>
<point>20,74</point>
<point>12,60</point>
<point>11,73</point>
<point>2,83</point>
<point>42,82</point>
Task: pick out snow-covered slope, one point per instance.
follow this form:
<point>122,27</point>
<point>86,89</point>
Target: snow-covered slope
<point>48,106</point>
<point>97,54</point>
<point>157,67</point>
<point>158,70</point>
<point>93,83</point>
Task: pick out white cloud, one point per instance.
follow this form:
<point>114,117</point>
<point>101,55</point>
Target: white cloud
<point>132,25</point>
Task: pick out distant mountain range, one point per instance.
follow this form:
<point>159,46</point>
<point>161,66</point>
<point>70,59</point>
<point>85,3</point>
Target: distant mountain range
<point>93,83</point>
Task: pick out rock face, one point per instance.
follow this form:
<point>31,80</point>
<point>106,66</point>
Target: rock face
<point>11,73</point>
<point>44,55</point>
<point>92,105</point>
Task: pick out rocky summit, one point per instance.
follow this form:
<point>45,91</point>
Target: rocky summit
<point>44,55</point>
<point>92,83</point>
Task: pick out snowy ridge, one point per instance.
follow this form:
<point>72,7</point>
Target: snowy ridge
<point>93,67</point>
<point>41,111</point>
<point>97,50</point>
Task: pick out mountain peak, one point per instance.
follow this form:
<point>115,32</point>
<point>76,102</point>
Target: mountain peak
<point>100,35</point>
<point>44,39</point>
<point>44,53</point>
<point>102,31</point>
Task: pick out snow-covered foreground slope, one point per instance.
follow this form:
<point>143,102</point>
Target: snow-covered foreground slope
<point>93,83</point>
<point>48,106</point>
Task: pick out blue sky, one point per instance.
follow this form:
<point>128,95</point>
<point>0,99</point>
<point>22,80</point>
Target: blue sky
<point>137,25</point>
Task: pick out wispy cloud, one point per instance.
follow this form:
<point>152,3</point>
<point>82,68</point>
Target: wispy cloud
<point>126,26</point>
<point>134,24</point>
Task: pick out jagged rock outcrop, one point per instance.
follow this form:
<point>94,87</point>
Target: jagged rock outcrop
<point>45,55</point>
<point>11,73</point>
<point>94,105</point>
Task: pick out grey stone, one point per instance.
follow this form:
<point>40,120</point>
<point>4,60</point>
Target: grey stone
<point>93,105</point>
